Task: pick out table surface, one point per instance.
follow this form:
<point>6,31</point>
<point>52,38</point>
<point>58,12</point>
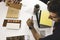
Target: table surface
<point>25,13</point>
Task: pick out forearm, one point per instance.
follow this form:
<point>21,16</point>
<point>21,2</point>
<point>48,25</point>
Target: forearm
<point>35,34</point>
<point>31,27</point>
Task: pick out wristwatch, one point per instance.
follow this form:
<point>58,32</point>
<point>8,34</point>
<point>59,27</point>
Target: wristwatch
<point>31,27</point>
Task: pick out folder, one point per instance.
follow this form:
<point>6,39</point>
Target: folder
<point>44,19</point>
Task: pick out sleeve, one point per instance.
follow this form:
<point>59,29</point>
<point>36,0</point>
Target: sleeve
<point>41,39</point>
<point>47,38</point>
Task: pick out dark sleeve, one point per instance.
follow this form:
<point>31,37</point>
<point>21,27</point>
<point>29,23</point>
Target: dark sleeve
<point>50,37</point>
<point>41,39</point>
<point>45,1</point>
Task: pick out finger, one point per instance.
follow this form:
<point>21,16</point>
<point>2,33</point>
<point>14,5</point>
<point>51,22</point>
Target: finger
<point>28,21</point>
<point>32,18</point>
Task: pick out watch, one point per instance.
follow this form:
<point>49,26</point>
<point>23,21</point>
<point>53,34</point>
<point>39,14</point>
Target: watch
<point>31,27</point>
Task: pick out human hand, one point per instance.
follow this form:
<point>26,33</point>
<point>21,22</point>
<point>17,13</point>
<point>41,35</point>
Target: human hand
<point>30,23</point>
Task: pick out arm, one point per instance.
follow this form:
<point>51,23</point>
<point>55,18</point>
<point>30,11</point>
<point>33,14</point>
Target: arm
<point>34,32</point>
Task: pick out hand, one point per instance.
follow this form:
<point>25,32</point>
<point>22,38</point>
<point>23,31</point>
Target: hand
<point>30,23</point>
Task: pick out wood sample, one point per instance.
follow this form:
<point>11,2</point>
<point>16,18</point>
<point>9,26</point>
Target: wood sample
<point>15,38</point>
<point>11,21</point>
<point>5,23</point>
<point>14,3</point>
<point>12,13</point>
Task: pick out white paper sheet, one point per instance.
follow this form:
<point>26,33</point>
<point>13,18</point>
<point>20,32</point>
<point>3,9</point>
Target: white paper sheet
<point>13,25</point>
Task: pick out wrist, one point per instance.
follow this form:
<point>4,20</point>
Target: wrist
<point>31,27</point>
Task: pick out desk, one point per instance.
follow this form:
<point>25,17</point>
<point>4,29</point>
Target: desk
<point>25,13</point>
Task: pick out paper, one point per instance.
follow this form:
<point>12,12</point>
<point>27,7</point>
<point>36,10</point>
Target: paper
<point>13,26</point>
<point>12,13</point>
<point>42,33</point>
<point>45,18</point>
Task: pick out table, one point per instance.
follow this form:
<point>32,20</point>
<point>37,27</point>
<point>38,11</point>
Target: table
<point>25,13</point>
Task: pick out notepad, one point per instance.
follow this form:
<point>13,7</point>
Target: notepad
<point>44,19</point>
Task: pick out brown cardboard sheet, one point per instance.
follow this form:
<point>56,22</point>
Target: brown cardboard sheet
<point>12,13</point>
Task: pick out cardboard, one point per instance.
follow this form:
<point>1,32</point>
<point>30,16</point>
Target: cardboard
<point>12,13</point>
<point>14,4</point>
